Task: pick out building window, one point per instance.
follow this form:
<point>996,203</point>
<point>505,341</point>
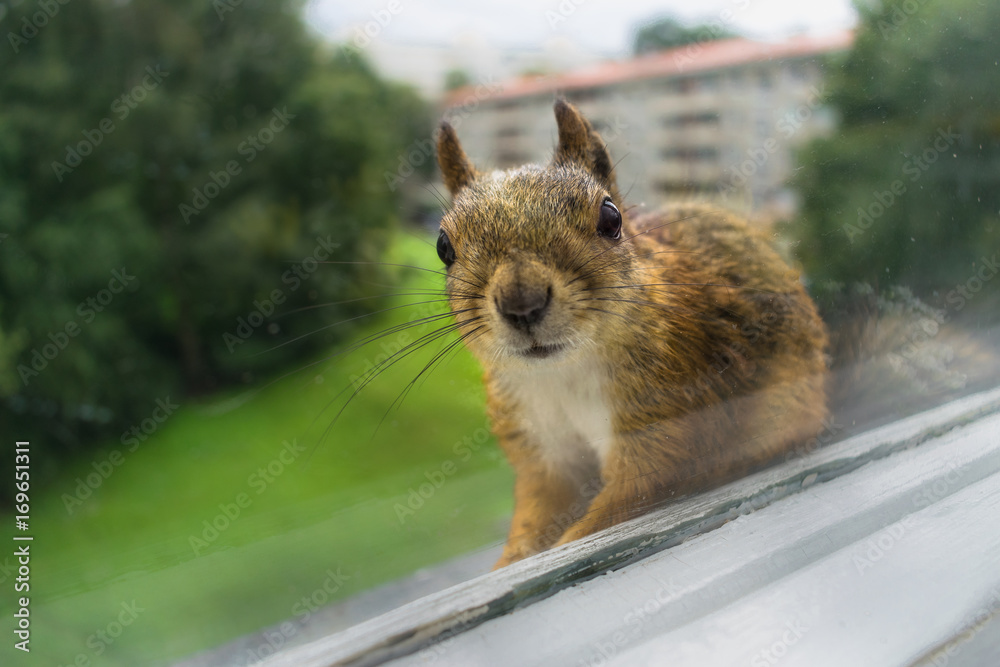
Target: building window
<point>692,119</point>
<point>585,95</point>
<point>509,131</point>
<point>710,82</point>
<point>507,159</point>
<point>691,153</point>
<point>684,188</point>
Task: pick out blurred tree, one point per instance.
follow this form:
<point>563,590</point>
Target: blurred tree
<point>172,175</point>
<point>456,78</point>
<point>669,33</point>
<point>906,191</point>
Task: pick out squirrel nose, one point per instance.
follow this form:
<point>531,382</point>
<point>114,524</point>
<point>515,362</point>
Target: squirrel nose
<point>523,307</point>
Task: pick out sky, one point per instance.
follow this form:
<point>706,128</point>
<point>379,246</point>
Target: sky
<point>601,26</point>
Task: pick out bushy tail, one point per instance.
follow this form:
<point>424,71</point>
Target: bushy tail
<point>892,354</point>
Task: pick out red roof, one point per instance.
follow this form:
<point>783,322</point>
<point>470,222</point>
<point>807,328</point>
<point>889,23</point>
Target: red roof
<point>697,57</point>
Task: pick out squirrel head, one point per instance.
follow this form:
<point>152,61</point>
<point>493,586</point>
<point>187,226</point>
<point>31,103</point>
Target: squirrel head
<point>534,254</point>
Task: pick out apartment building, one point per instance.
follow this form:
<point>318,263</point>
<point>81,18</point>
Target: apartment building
<point>714,120</point>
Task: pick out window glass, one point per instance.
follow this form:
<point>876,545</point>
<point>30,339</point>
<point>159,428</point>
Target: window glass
<point>225,334</point>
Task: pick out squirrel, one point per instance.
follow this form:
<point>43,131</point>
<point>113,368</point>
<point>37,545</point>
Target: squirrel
<point>628,360</point>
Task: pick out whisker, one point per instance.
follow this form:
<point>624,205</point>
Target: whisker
<point>367,378</point>
<point>406,390</point>
<point>700,314</point>
<point>646,231</point>
<point>377,296</point>
<point>615,165</point>
<point>420,237</point>
<point>387,363</point>
<point>482,280</point>
<point>599,272</point>
<point>746,287</point>
<point>627,239</point>
<point>429,336</point>
<point>352,319</point>
<point>356,346</point>
<point>409,266</point>
<point>601,310</point>
<point>427,291</point>
<point>372,338</point>
<point>445,203</point>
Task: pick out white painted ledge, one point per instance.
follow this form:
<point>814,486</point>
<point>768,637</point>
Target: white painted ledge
<point>883,549</point>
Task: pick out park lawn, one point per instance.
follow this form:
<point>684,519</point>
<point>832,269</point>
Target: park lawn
<point>343,509</point>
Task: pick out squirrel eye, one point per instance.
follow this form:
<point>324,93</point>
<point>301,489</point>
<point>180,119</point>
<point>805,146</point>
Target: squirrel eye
<point>445,251</point>
<point>609,224</point>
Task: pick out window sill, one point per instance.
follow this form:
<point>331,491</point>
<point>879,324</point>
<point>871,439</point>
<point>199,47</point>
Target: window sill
<point>880,549</point>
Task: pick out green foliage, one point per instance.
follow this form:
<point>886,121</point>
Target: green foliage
<point>906,191</point>
<point>669,33</point>
<point>214,151</point>
<point>456,78</point>
<point>342,505</point>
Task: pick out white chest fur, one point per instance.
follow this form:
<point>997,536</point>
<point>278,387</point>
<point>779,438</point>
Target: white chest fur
<point>564,409</point>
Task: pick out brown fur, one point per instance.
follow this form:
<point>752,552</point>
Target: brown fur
<point>708,352</point>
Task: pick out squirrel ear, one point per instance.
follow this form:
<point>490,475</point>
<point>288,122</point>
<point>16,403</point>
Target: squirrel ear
<point>456,168</point>
<point>580,144</point>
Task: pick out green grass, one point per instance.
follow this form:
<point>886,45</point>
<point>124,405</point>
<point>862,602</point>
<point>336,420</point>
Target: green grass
<point>335,507</point>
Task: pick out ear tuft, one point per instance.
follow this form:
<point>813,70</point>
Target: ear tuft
<point>456,169</point>
<point>581,145</point>
<point>574,134</point>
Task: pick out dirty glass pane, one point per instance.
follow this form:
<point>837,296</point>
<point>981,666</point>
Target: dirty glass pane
<point>237,410</point>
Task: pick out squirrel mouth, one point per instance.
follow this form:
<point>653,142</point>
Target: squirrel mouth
<point>537,351</point>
